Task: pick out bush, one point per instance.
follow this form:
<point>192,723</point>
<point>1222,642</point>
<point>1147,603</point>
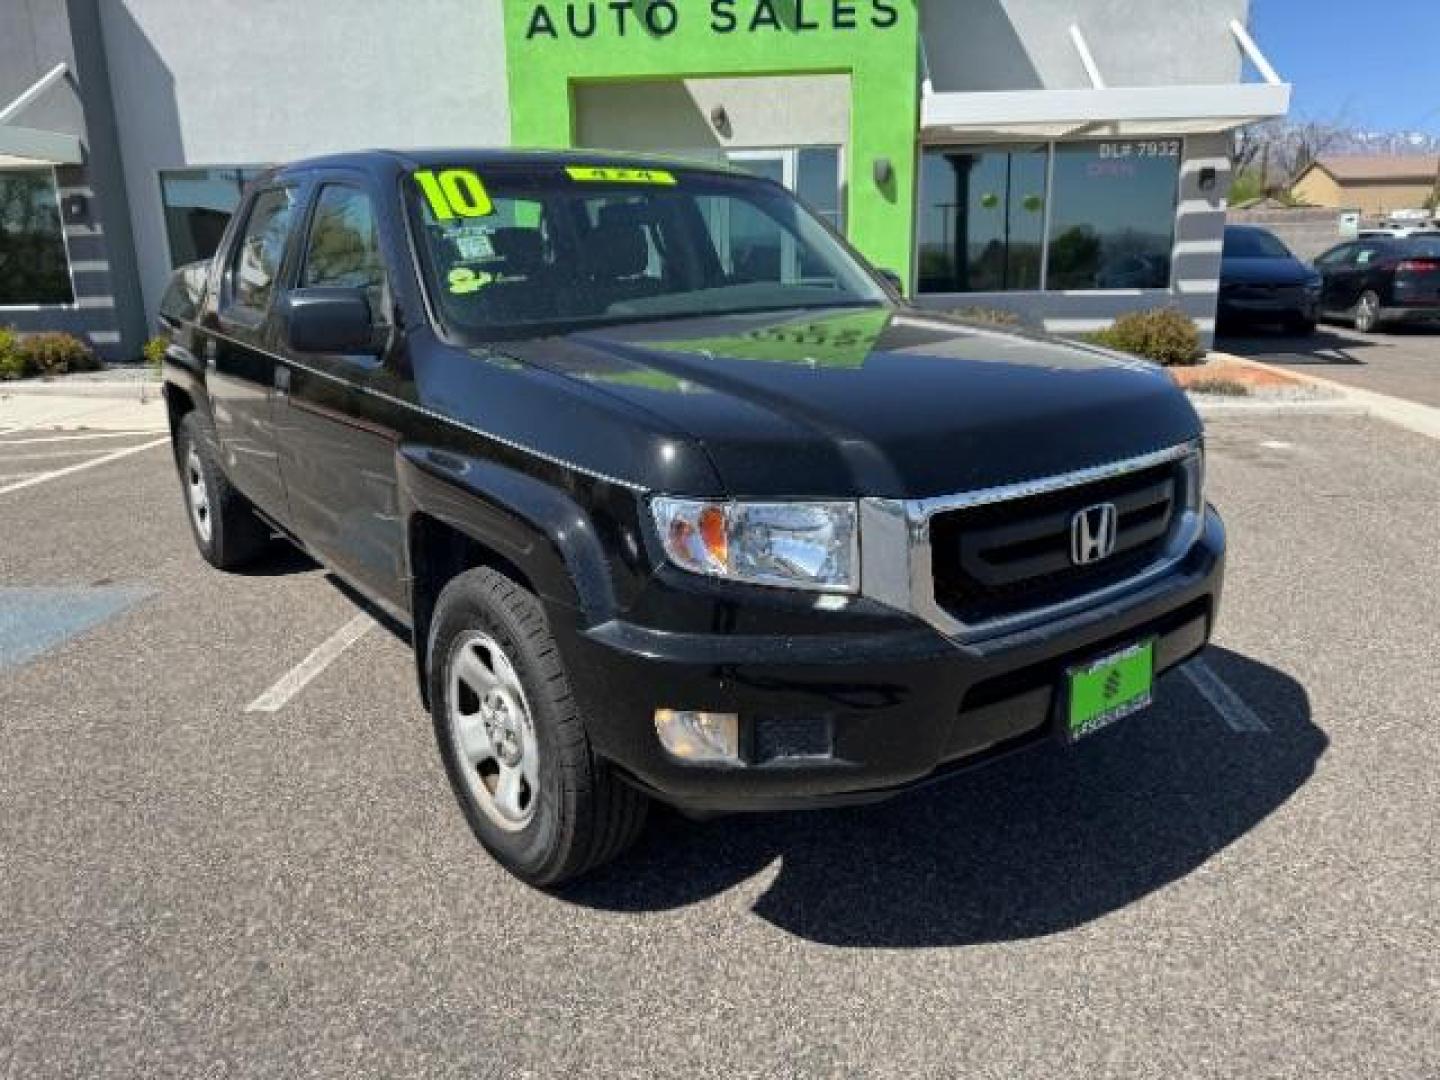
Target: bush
<point>1218,385</point>
<point>53,354</point>
<point>1163,335</point>
<point>155,352</point>
<point>988,315</point>
<point>10,364</point>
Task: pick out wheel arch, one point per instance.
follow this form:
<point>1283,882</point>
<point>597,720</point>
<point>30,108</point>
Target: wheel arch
<point>464,512</point>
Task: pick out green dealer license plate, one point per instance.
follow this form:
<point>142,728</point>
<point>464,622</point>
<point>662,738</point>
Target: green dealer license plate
<point>1105,690</point>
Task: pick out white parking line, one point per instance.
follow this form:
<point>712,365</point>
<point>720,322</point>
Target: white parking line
<point>46,477</point>
<point>1222,699</point>
<point>46,455</point>
<point>72,438</point>
<point>301,675</point>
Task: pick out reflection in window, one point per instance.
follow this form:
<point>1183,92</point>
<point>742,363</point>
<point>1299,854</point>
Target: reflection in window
<point>198,206</point>
<point>1113,219</point>
<point>257,259</point>
<point>33,265</point>
<point>982,217</point>
<point>982,224</point>
<point>344,248</point>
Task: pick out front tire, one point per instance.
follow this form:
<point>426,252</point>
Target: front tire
<point>226,529</point>
<point>512,739</point>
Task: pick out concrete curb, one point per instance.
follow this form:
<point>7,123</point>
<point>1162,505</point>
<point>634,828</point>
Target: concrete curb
<point>118,390</point>
<point>1212,407</point>
<point>1410,415</point>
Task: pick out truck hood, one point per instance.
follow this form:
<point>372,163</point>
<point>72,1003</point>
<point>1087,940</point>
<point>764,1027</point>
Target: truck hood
<point>1265,270</point>
<point>875,401</point>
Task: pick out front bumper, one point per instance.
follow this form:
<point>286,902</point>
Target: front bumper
<point>1264,309</point>
<point>898,707</point>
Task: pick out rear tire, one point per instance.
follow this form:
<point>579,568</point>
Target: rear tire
<point>512,738</point>
<point>1367,312</point>
<point>226,528</point>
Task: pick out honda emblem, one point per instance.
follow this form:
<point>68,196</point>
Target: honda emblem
<point>1092,534</point>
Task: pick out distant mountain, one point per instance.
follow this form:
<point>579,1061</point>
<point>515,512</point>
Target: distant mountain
<point>1384,142</point>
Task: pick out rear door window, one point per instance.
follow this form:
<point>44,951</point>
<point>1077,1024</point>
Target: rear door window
<point>255,263</point>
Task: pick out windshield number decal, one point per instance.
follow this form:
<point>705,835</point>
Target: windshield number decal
<point>454,193</point>
<point>602,175</point>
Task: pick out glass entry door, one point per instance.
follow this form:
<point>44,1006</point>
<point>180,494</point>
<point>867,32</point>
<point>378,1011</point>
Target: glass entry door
<point>812,173</point>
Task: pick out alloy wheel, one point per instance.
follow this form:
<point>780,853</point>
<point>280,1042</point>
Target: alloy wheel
<point>198,494</point>
<point>1367,313</point>
<point>492,731</point>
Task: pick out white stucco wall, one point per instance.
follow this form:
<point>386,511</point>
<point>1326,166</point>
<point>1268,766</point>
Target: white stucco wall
<point>213,82</point>
<point>1025,44</point>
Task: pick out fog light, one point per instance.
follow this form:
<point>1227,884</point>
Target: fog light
<point>699,736</point>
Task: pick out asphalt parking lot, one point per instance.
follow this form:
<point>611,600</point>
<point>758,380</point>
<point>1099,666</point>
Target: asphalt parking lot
<point>1240,882</point>
<point>1402,361</point>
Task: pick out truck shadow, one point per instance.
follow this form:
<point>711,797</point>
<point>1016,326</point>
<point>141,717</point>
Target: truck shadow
<point>1035,844</point>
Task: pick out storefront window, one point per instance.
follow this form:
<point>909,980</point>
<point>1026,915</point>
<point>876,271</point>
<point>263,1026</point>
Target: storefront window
<point>198,205</point>
<point>1112,224</point>
<point>982,220</point>
<point>33,264</point>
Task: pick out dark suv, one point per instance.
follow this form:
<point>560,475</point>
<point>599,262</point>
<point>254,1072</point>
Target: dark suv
<point>676,497</point>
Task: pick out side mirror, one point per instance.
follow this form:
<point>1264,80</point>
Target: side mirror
<point>894,280</point>
<point>329,321</point>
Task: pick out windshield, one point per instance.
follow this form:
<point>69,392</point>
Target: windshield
<point>1253,244</point>
<point>511,251</point>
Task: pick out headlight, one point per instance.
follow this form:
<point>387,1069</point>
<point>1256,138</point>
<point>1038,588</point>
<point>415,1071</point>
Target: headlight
<point>1195,480</point>
<point>801,545</point>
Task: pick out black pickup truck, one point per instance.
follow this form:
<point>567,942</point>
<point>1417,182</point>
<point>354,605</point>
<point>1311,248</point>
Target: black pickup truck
<point>676,496</point>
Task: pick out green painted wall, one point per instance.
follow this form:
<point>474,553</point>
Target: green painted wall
<point>875,41</point>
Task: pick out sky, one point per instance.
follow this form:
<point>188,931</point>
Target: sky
<point>1374,66</point>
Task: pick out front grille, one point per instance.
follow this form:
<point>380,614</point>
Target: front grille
<point>1000,559</point>
<point>1285,293</point>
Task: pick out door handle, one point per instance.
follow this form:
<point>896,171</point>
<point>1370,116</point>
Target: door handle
<point>282,380</point>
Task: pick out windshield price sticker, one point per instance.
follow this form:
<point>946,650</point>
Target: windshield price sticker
<point>454,193</point>
<point>473,243</point>
<point>603,175</point>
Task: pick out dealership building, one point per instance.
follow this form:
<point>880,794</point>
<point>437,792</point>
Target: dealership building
<point>1066,160</point>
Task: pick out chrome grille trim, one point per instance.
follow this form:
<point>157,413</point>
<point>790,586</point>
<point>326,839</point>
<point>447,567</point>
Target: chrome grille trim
<point>896,557</point>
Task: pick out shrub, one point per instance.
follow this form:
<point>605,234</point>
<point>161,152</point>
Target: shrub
<point>1163,335</point>
<point>155,352</point>
<point>11,366</point>
<point>1218,385</point>
<point>54,354</point>
<point>992,316</point>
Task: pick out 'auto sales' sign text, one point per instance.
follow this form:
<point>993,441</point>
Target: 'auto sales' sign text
<point>660,18</point>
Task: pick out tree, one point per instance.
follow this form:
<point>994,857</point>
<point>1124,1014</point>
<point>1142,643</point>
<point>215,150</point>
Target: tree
<point>1280,150</point>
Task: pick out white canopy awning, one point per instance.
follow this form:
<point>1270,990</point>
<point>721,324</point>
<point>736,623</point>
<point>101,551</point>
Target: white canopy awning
<point>26,146</point>
<point>1100,112</point>
<point>1105,111</point>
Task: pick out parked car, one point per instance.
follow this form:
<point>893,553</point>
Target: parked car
<point>1381,281</point>
<point>661,526</point>
<point>1261,281</point>
<point>1381,232</point>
